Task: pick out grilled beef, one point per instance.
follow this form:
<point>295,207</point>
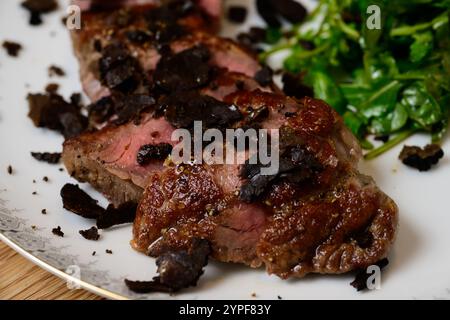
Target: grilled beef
<point>317,213</point>
<point>108,158</point>
<point>130,27</point>
<point>295,227</point>
<point>104,42</point>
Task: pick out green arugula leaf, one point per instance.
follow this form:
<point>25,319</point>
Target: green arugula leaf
<point>355,123</point>
<point>393,81</point>
<point>392,122</point>
<point>409,30</point>
<point>382,101</point>
<point>356,94</point>
<point>379,68</point>
<point>421,106</point>
<point>292,63</point>
<point>421,47</point>
<point>325,88</point>
<point>440,129</point>
<point>399,117</point>
<point>273,35</point>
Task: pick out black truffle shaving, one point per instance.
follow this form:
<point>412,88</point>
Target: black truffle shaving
<point>267,11</point>
<point>125,107</point>
<point>57,231</point>
<point>138,36</point>
<point>52,88</point>
<point>12,48</point>
<point>101,110</point>
<point>37,8</point>
<point>56,71</point>
<point>130,107</point>
<point>73,124</point>
<point>118,69</point>
<point>53,112</point>
<point>257,34</point>
<point>147,286</point>
<point>183,108</point>
<point>90,234</point>
<point>52,158</point>
<point>79,202</point>
<point>112,216</point>
<point>186,70</point>
<point>252,38</point>
<point>383,138</point>
<point>293,86</point>
<point>163,24</point>
<point>360,282</point>
<point>421,159</point>
<point>296,165</point>
<point>237,14</point>
<point>291,10</point>
<point>177,270</point>
<point>264,76</point>
<point>75,99</point>
<point>151,152</point>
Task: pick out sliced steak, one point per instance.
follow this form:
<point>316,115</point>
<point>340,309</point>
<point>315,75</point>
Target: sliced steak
<point>176,207</point>
<point>302,231</point>
<point>130,27</point>
<point>322,219</point>
<point>108,158</point>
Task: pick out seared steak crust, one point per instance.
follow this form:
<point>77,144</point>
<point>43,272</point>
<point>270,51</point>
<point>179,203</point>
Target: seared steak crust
<point>306,231</point>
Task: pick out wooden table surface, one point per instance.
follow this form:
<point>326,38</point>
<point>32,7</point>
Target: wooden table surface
<point>21,279</point>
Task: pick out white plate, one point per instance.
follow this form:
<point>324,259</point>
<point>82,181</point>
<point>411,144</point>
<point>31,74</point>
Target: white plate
<point>420,260</point>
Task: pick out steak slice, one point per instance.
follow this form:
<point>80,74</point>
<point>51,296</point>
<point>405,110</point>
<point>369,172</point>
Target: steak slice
<point>129,27</point>
<point>335,221</point>
<point>350,226</point>
<point>107,158</point>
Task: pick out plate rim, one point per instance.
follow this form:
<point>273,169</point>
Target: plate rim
<point>58,273</point>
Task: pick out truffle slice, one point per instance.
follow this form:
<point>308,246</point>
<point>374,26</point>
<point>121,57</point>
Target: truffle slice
<point>421,159</point>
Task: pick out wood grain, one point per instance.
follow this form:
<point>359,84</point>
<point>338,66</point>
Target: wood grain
<point>23,280</point>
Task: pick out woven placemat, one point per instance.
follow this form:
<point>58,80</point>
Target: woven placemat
<point>21,279</point>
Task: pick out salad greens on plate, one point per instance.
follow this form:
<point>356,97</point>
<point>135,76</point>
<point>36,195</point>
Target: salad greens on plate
<point>383,65</point>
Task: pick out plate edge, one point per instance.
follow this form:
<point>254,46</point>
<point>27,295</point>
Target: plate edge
<point>60,274</point>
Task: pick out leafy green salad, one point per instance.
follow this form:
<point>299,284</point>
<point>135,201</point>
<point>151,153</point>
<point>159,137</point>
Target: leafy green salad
<point>383,65</point>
